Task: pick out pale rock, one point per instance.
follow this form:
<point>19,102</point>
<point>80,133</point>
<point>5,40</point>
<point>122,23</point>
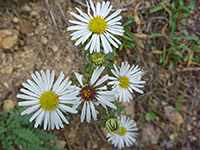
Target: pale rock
<point>129,108</point>
<point>21,42</point>
<point>151,134</point>
<point>60,143</point>
<point>8,38</point>
<point>44,40</point>
<point>55,48</point>
<point>173,116</point>
<point>189,127</point>
<point>172,137</point>
<point>27,8</point>
<point>147,4</point>
<point>8,104</point>
<point>7,70</point>
<point>34,13</point>
<point>15,20</point>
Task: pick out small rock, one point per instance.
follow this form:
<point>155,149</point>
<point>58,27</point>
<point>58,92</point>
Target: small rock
<point>27,26</point>
<point>15,20</point>
<point>147,4</point>
<point>129,107</point>
<point>189,127</point>
<point>94,145</point>
<point>27,8</point>
<point>34,13</point>
<point>173,116</point>
<point>60,143</point>
<point>151,134</point>
<point>55,48</point>
<point>168,144</point>
<point>172,137</point>
<point>21,42</point>
<point>44,40</point>
<point>7,70</point>
<point>8,38</point>
<point>8,104</point>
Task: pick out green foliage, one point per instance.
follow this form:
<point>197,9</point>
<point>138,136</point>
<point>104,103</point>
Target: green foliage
<point>17,131</point>
<point>151,115</point>
<point>181,45</point>
<point>128,37</point>
<point>120,110</point>
<point>179,102</point>
<point>14,1</point>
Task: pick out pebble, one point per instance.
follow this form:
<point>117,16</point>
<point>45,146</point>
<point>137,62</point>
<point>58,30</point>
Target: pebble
<point>189,127</point>
<point>8,38</point>
<point>173,116</point>
<point>27,8</point>
<point>34,13</point>
<point>55,48</point>
<point>60,143</point>
<point>8,104</point>
<point>7,70</point>
<point>44,40</point>
<point>15,20</point>
<point>21,42</point>
<point>172,137</point>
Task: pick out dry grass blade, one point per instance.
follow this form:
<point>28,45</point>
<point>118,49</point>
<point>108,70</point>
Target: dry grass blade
<point>51,14</point>
<point>81,3</point>
<point>24,29</point>
<point>60,8</point>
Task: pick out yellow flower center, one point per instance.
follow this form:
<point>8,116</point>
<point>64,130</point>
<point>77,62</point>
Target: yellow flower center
<point>97,25</point>
<point>112,126</point>
<point>87,93</point>
<point>123,131</point>
<point>48,101</point>
<point>124,82</point>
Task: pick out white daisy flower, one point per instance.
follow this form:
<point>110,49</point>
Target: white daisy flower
<point>99,26</point>
<point>92,94</point>
<point>47,100</point>
<point>125,81</point>
<point>126,137</point>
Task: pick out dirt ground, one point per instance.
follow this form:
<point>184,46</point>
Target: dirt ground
<point>40,44</point>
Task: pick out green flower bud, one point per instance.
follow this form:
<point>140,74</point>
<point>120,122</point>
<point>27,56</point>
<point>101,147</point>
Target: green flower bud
<point>113,126</point>
<point>97,59</point>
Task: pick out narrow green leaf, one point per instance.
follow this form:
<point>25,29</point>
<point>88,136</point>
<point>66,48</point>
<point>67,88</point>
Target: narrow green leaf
<point>192,5</point>
<point>157,35</point>
<point>154,48</point>
<point>157,8</point>
<point>186,58</point>
<point>170,64</point>
<point>130,20</point>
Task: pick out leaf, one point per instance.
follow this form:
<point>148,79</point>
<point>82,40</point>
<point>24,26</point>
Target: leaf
<point>185,32</point>
<point>154,48</point>
<point>148,116</point>
<point>130,20</point>
<point>161,59</point>
<point>157,8</point>
<point>110,56</point>
<point>192,5</point>
<point>186,58</point>
<point>170,64</point>
<point>155,107</point>
<point>157,35</point>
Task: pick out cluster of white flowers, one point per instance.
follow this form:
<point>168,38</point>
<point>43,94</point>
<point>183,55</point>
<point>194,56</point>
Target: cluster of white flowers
<point>50,99</point>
